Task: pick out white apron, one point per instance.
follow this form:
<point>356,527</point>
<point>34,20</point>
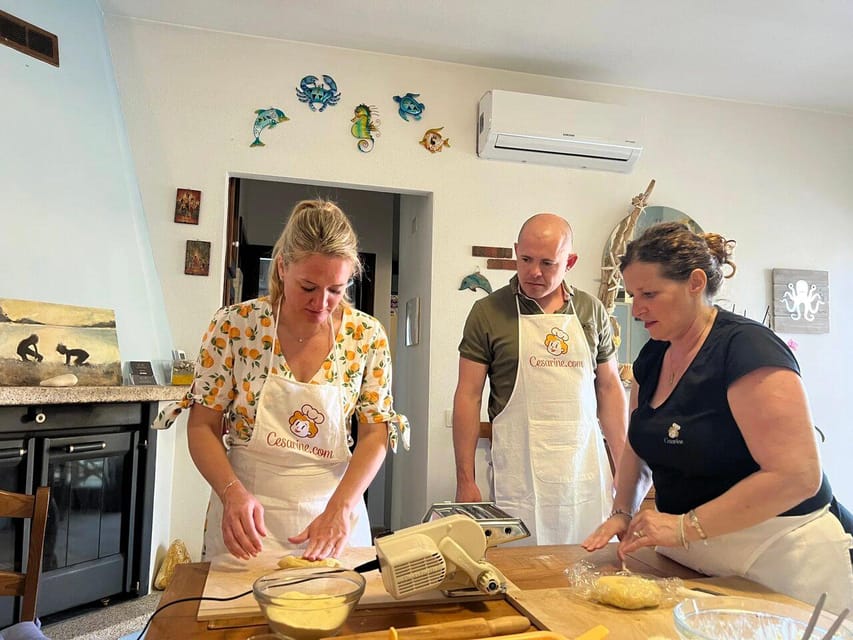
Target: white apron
<point>550,467</point>
<point>800,556</point>
<point>294,461</point>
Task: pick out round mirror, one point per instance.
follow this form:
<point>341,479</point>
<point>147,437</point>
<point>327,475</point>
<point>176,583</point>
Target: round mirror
<point>631,335</point>
<point>655,215</point>
<point>624,233</point>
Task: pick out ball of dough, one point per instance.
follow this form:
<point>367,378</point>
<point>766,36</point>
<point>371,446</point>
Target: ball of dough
<point>295,562</point>
<point>628,592</point>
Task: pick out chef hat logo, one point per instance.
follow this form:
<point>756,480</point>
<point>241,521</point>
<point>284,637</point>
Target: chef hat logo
<point>304,421</point>
<point>557,342</point>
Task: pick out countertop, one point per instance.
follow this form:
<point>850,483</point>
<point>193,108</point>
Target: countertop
<point>12,396</point>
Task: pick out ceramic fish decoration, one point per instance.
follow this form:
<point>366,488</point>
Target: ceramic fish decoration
<point>433,140</point>
<point>409,106</point>
<point>476,281</point>
<point>312,91</point>
<point>365,127</point>
<point>266,118</point>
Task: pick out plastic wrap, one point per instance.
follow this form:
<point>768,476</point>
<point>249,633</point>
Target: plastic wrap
<point>622,589</point>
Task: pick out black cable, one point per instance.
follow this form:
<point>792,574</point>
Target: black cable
<point>181,600</point>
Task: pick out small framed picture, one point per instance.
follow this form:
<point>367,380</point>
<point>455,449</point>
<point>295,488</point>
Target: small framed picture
<point>187,206</point>
<point>197,260</point>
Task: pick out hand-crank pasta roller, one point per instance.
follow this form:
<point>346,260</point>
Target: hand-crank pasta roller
<point>446,554</point>
<point>497,524</point>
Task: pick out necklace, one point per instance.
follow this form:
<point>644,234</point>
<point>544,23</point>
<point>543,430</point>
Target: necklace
<point>286,328</point>
<point>672,369</point>
<point>301,339</point>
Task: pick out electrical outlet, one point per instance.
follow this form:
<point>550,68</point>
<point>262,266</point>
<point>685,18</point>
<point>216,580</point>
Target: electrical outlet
<point>448,418</point>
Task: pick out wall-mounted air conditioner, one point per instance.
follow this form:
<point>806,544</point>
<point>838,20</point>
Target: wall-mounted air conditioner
<point>569,133</point>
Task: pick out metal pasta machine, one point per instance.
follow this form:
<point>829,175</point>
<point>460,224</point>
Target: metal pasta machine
<point>447,551</point>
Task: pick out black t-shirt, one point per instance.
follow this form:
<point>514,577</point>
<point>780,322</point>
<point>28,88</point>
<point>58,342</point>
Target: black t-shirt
<point>691,442</point>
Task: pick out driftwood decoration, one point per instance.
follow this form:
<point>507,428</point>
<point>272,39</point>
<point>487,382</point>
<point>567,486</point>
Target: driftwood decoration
<point>611,278</point>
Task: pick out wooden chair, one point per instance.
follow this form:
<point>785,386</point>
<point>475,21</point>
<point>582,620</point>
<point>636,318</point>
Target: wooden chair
<point>13,583</point>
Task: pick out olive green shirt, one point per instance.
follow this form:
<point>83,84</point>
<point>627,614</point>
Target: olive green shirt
<point>490,336</point>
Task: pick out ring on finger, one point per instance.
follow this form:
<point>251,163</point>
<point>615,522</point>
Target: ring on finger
<point>639,534</point>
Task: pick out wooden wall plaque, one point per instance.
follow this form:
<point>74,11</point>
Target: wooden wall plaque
<point>491,252</point>
<point>498,263</point>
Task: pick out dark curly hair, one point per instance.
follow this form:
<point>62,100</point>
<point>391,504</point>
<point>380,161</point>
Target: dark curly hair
<point>679,251</point>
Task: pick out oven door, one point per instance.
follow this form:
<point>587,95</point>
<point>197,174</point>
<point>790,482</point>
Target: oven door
<point>91,522</point>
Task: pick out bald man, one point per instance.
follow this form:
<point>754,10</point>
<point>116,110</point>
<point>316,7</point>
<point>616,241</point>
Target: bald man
<point>548,352</point>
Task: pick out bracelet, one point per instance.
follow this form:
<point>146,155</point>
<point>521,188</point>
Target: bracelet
<point>620,512</point>
<point>225,489</point>
<point>681,537</point>
<point>694,522</point>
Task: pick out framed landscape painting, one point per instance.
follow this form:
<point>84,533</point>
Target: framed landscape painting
<point>41,340</point>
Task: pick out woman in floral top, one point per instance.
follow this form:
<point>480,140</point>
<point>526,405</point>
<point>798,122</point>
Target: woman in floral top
<point>283,374</point>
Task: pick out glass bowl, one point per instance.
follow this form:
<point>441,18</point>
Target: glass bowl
<point>733,618</point>
<point>306,604</point>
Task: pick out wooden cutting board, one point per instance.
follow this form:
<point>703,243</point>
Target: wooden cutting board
<point>232,576</point>
<point>563,611</point>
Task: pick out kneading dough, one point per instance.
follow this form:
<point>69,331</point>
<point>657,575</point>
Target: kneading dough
<point>628,592</point>
<point>295,562</point>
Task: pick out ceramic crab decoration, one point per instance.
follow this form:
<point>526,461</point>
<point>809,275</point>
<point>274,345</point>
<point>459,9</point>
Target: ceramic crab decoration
<point>802,300</point>
<point>314,92</point>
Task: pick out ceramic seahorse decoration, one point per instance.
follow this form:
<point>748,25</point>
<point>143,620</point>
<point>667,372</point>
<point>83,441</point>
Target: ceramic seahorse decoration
<point>365,127</point>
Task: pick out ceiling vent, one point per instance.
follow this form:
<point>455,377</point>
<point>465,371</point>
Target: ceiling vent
<point>29,39</point>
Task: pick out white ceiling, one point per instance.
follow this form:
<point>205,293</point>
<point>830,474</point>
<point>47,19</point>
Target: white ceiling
<point>796,53</point>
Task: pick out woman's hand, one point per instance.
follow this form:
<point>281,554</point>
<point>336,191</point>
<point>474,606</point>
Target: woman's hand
<point>327,534</point>
<point>615,525</point>
<point>648,529</point>
<point>242,522</point>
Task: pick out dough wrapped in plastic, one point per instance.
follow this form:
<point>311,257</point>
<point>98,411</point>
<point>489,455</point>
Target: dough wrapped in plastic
<point>628,592</point>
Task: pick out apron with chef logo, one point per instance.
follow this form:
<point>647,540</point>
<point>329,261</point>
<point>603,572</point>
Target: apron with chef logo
<point>294,460</point>
<point>549,464</point>
<point>800,556</point>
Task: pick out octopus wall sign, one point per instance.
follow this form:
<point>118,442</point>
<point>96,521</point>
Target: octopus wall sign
<point>801,301</point>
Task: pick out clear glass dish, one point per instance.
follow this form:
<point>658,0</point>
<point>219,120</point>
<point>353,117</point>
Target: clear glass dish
<point>306,604</point>
<point>733,618</point>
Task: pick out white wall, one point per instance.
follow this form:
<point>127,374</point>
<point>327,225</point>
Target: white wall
<point>777,180</point>
<point>73,230</point>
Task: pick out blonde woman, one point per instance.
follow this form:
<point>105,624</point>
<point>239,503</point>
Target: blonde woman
<point>284,374</point>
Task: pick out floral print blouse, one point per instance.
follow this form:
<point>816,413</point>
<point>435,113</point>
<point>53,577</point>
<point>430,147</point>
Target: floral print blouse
<point>234,361</point>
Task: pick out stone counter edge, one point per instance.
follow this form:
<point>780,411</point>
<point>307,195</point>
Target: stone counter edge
<point>12,396</point>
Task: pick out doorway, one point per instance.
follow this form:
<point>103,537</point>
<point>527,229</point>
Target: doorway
<point>258,210</point>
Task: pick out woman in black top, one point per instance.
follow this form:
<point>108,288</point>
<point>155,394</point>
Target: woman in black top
<point>721,423</point>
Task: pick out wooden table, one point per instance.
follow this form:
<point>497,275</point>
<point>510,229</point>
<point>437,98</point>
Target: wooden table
<point>528,568</point>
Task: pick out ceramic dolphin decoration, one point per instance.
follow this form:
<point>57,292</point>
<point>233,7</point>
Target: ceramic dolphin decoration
<point>475,281</point>
<point>266,118</point>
